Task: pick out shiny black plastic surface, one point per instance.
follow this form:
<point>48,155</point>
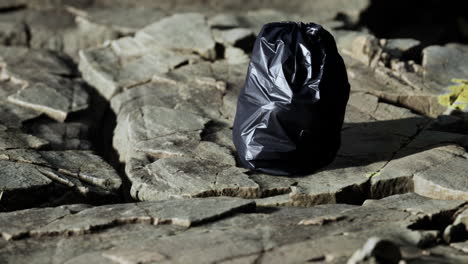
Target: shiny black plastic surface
<point>291,109</point>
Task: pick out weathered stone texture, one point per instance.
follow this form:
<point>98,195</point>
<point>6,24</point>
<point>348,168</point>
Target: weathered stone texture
<point>152,88</point>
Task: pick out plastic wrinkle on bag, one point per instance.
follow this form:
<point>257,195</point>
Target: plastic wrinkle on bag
<point>291,109</point>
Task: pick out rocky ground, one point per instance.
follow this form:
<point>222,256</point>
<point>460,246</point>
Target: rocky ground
<point>115,139</point>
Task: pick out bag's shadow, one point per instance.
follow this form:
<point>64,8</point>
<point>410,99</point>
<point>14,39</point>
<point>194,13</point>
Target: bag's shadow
<point>369,142</point>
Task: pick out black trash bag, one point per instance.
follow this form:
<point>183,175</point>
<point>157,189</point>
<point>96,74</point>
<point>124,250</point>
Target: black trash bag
<point>291,109</point>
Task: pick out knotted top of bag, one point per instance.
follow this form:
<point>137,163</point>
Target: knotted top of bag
<point>287,63</point>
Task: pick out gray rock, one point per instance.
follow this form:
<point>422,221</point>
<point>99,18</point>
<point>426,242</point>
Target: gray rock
<point>21,185</point>
<point>274,201</point>
<point>441,64</point>
<point>222,230</point>
<point>222,137</point>
<point>12,115</point>
<point>403,87</point>
<point>79,219</point>
<point>18,224</point>
<point>55,29</point>
<point>417,204</point>
<point>56,97</point>
<point>150,123</point>
<point>42,89</point>
<point>85,35</point>
<point>187,32</point>
<point>103,69</point>
<point>85,166</point>
<point>406,83</point>
<point>47,28</point>
<point>363,47</point>
<point>190,97</point>
<point>121,20</point>
<point>174,111</point>
<point>212,151</point>
<point>99,68</point>
<point>153,93</point>
<point>188,177</point>
<point>28,174</point>
<point>429,183</point>
<point>14,139</point>
<point>401,175</point>
<point>23,63</point>
<point>234,76</point>
<point>461,246</point>
<point>202,99</point>
<point>128,47</point>
<point>347,236</point>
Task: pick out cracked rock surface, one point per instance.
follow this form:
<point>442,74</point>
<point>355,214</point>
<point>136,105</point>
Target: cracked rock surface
<point>225,230</point>
<point>116,145</point>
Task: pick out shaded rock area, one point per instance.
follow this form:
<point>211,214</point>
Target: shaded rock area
<point>116,146</point>
<point>46,133</point>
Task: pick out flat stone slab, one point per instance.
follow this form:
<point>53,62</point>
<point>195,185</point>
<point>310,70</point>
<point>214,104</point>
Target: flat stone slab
<point>19,60</point>
<point>122,20</point>
<point>43,87</point>
<point>188,177</point>
<point>14,139</point>
<point>80,219</point>
<point>29,174</point>
<point>102,68</point>
<point>54,28</point>
<point>55,98</point>
<point>152,108</point>
<point>441,64</point>
<point>161,131</point>
<point>34,218</point>
<point>222,229</point>
<point>155,94</point>
<point>153,122</point>
<point>186,32</point>
<point>419,165</point>
<point>453,185</point>
<point>13,115</point>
